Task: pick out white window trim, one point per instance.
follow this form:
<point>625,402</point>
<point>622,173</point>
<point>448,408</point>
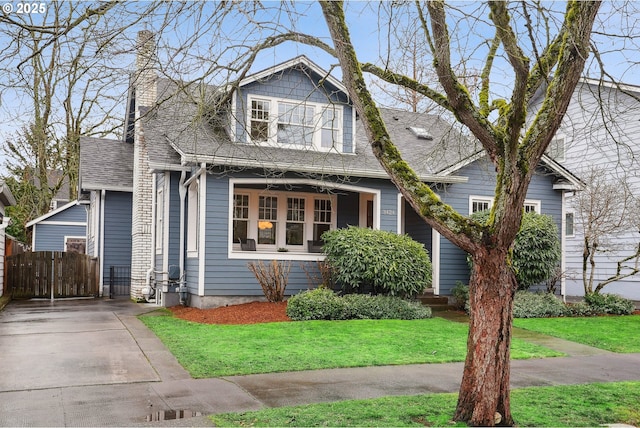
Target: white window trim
<point>273,124</point>
<point>564,224</point>
<point>159,219</point>
<point>254,195</point>
<point>475,198</point>
<point>290,255</point>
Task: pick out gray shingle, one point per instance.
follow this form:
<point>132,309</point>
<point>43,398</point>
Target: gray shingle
<point>105,164</point>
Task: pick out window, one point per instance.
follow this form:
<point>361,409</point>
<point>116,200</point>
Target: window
<point>280,220</point>
<point>240,217</point>
<point>75,244</point>
<point>330,133</point>
<point>569,224</point>
<point>532,207</point>
<point>479,203</point>
<point>295,221</point>
<point>267,220</point>
<point>297,124</point>
<point>321,218</point>
<point>260,120</point>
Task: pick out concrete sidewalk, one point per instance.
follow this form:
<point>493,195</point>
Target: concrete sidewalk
<point>93,363</point>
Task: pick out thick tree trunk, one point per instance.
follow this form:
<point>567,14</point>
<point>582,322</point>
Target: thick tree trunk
<point>484,391</point>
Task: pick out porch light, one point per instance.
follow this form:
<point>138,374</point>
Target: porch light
<point>265,225</point>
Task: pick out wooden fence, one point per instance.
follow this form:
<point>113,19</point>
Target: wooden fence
<point>52,274</point>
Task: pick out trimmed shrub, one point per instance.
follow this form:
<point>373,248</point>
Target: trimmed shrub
<point>580,309</point>
<point>536,250</point>
<point>366,306</point>
<point>378,262</point>
<point>609,304</point>
<point>537,305</point>
<point>324,304</point>
<point>317,304</point>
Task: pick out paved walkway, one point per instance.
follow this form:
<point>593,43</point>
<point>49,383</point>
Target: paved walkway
<point>93,363</point>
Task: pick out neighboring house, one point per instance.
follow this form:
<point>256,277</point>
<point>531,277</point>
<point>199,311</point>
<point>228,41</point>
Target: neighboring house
<point>600,129</point>
<point>62,229</point>
<point>6,199</point>
<point>263,176</point>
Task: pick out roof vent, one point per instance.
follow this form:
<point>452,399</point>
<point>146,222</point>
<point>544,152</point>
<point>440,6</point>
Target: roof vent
<point>421,133</point>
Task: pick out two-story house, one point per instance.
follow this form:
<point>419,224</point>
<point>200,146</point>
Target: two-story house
<point>209,179</point>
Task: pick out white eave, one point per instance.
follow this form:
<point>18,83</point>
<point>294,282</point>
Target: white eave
<point>52,213</point>
<point>94,186</point>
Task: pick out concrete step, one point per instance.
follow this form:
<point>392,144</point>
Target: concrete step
<point>436,303</point>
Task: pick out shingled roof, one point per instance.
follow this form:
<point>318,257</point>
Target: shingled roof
<point>106,164</point>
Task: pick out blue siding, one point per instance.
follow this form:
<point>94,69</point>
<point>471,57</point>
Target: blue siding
<point>296,85</point>
<point>174,219</point>
<point>231,277</point>
<point>117,231</point>
<point>50,237</point>
<point>482,178</point>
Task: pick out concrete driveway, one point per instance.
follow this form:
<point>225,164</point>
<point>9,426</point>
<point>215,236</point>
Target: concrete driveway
<point>93,363</point>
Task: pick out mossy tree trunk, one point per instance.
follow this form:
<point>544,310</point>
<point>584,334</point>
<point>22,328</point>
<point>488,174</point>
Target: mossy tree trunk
<point>515,151</point>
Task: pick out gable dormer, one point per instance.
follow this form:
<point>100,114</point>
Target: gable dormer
<point>294,105</point>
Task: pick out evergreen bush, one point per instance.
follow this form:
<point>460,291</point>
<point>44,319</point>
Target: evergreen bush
<point>536,250</point>
<point>609,304</point>
<point>377,262</point>
<point>324,304</point>
<point>537,305</point>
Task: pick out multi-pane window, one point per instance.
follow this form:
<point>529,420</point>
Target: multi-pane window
<point>321,217</point>
<point>240,217</point>
<point>280,220</point>
<point>478,205</point>
<point>260,120</point>
<point>267,219</point>
<point>569,223</point>
<point>295,124</point>
<point>530,207</point>
<point>295,221</point>
<point>330,127</point>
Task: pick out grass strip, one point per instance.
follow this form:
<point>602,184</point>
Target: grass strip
<point>555,406</point>
<point>210,350</point>
<point>613,333</point>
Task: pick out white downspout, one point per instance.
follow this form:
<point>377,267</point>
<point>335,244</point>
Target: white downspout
<point>182,190</point>
<point>103,194</point>
<point>154,189</point>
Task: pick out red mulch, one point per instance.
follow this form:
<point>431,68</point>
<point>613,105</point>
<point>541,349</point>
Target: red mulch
<point>246,313</point>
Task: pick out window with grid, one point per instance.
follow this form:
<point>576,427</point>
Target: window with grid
<point>478,205</point>
<point>267,219</point>
<point>240,217</point>
<point>329,135</point>
<point>295,221</point>
<point>321,217</point>
<point>295,124</point>
<point>259,120</point>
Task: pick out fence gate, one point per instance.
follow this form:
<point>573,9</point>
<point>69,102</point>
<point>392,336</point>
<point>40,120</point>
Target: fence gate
<point>52,274</point>
<point>119,281</point>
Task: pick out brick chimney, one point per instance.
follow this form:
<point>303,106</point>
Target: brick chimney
<point>146,77</point>
<point>145,85</point>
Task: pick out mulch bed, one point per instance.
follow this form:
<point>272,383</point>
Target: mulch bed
<point>246,313</point>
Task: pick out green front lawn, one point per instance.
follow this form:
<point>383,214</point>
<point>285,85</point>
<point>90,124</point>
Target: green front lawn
<point>557,406</point>
<point>613,333</point>
<point>224,350</point>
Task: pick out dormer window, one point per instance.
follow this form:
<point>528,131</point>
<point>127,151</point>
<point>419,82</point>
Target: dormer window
<point>300,125</point>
